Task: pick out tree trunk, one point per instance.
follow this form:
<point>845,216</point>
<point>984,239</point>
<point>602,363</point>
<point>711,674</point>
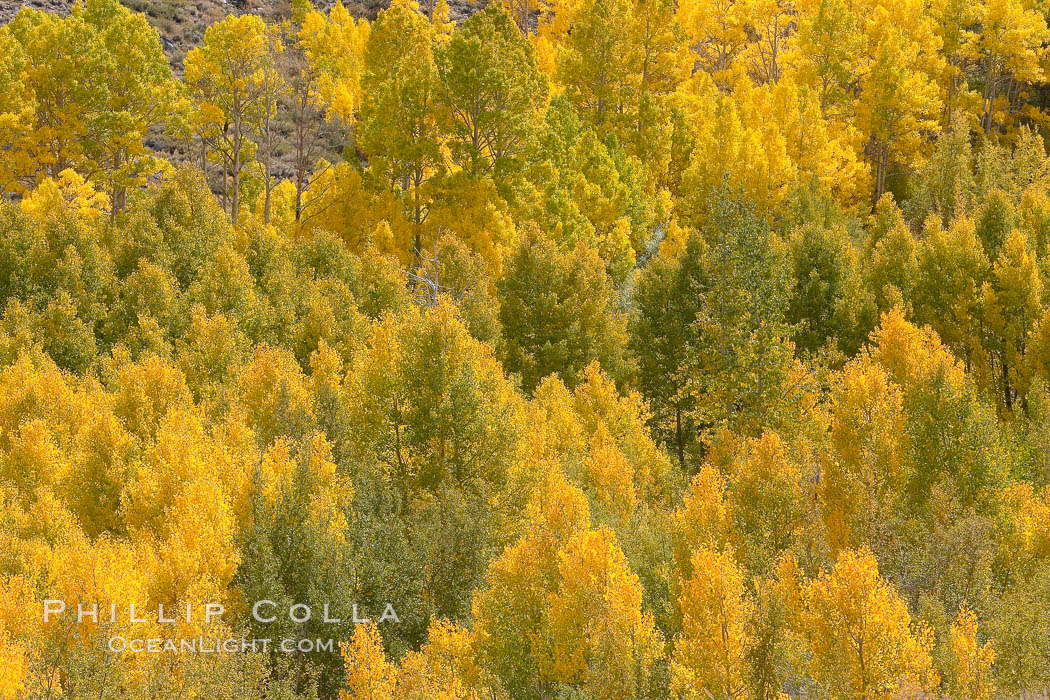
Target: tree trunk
<point>268,185</point>
<point>235,198</point>
<point>678,436</point>
<point>119,195</point>
<point>989,96</point>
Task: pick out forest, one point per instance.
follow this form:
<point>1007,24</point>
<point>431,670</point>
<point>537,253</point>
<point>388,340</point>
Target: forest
<point>626,348</point>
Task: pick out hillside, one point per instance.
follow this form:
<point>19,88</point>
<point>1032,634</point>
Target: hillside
<point>640,349</point>
<point>181,24</point>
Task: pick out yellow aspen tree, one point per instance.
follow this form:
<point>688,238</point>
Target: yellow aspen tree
<point>596,422</point>
<point>770,495</point>
<point>819,150</point>
<point>335,48</point>
<point>874,65</point>
<point>1012,44</point>
<point>398,127</point>
<point>141,96</point>
<point>16,115</point>
<point>610,475</point>
<point>718,30</point>
<point>12,668</point>
<point>510,610</point>
<point>971,671</point>
<point>63,435</point>
<point>861,638</point>
<point>369,676</point>
<point>900,102</point>
<point>229,76</point>
<point>322,69</point>
<point>1027,535</point>
<point>1011,306</point>
<point>63,81</point>
<point>710,653</point>
<point>562,608</point>
<point>492,94</point>
<point>198,555</point>
<point>828,41</point>
<point>69,193</point>
<point>666,60</point>
<point>212,350</point>
<point>951,270</point>
<point>598,65</point>
<point>1037,357</point>
<point>704,519</point>
<point>732,150</point>
<point>440,17</point>
<point>145,391</point>
<point>180,453</point>
<point>866,466</point>
<point>275,395</point>
<point>771,21</point>
<point>272,90</point>
<point>596,635</point>
<point>443,668</point>
<point>957,22</point>
<point>79,103</point>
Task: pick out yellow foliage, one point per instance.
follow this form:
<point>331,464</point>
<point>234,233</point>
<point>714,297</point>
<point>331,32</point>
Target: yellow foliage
<point>596,633</point>
<point>184,402</point>
<point>866,466</point>
<point>972,662</point>
<point>1029,534</point>
<point>611,474</point>
<point>562,605</point>
<point>703,520</point>
<point>604,431</point>
<point>181,454</point>
<point>198,555</point>
<point>428,674</point>
<point>147,390</point>
<point>710,655</point>
<point>369,676</point>
<point>70,193</point>
<point>335,47</point>
<point>63,435</point>
<point>753,157</point>
<point>719,29</point>
<point>12,668</point>
<point>275,395</point>
<point>912,355</point>
<point>331,490</point>
<point>861,636</point>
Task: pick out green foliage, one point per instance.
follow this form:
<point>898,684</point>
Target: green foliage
<point>558,313</point>
<point>738,368</point>
<point>492,94</point>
